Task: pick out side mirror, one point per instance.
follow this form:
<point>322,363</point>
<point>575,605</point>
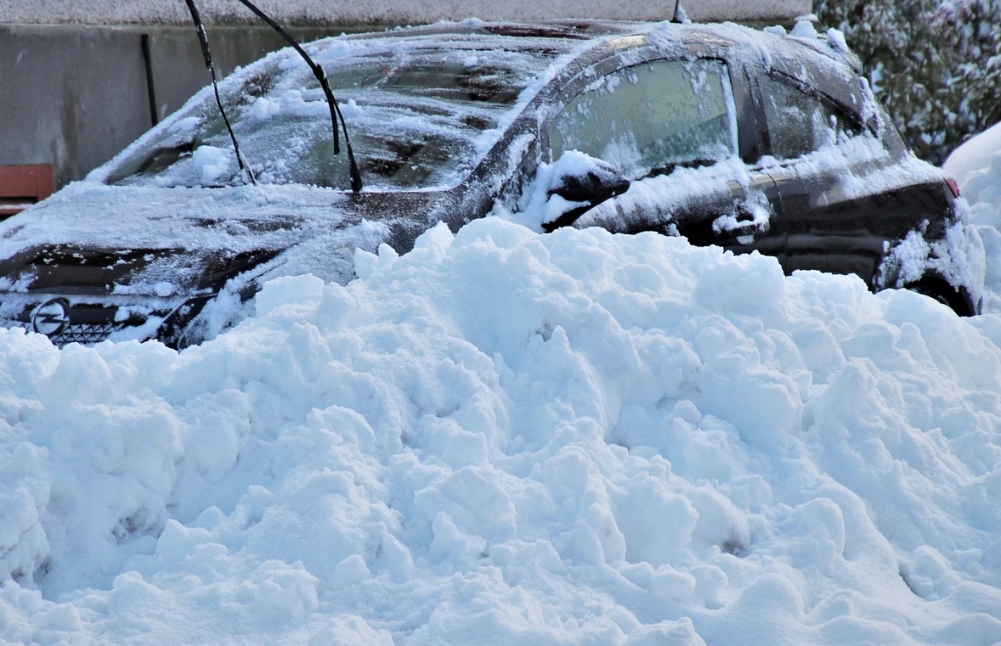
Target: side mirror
<point>586,179</point>
<point>582,182</point>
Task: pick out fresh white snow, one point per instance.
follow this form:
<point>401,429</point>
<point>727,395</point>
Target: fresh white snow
<point>507,437</point>
<point>976,165</point>
<point>975,156</point>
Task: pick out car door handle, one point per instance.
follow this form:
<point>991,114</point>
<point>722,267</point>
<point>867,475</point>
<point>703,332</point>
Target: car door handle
<point>743,221</point>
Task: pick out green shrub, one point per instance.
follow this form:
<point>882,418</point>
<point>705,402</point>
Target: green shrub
<point>935,65</point>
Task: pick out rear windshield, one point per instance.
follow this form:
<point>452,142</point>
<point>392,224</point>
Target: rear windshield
<point>418,119</point>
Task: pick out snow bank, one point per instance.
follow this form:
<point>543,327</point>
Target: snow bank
<point>975,155</point>
<point>505,437</point>
<point>976,165</point>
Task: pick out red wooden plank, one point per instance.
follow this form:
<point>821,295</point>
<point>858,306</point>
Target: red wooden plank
<point>21,186</point>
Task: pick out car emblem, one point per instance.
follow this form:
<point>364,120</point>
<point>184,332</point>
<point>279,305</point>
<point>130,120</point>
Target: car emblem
<point>51,317</point>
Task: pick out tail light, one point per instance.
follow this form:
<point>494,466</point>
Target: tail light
<point>953,186</point>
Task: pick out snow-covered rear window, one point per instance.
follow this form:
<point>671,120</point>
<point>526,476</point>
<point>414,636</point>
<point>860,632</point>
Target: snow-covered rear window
<point>418,119</point>
<point>652,117</point>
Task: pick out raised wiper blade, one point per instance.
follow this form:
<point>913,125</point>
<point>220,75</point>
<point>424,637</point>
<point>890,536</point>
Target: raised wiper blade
<point>207,55</point>
<point>335,112</point>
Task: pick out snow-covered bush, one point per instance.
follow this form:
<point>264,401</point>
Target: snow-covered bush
<point>935,65</point>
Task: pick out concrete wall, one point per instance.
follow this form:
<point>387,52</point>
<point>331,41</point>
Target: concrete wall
<point>74,96</point>
<point>386,12</point>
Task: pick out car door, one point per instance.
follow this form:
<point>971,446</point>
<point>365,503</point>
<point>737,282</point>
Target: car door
<point>840,207</point>
<point>670,126</point>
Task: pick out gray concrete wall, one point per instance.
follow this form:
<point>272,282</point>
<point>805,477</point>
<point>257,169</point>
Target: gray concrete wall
<point>386,12</point>
<point>74,96</point>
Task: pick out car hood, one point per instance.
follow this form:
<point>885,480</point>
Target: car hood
<point>95,239</point>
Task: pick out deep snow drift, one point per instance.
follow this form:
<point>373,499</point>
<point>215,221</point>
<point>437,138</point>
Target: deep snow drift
<point>976,165</point>
<point>512,438</point>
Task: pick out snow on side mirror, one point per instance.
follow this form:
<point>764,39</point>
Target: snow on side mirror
<point>578,182</point>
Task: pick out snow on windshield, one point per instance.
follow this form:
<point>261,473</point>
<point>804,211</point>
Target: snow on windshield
<point>418,117</point>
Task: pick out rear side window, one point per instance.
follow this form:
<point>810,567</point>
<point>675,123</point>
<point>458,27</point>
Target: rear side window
<point>649,118</point>
<point>800,122</point>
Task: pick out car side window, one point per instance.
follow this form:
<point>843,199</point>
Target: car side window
<point>800,122</point>
<point>649,118</point>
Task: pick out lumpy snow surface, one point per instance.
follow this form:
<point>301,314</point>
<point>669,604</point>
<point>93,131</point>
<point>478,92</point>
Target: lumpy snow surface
<point>976,165</point>
<point>504,437</point>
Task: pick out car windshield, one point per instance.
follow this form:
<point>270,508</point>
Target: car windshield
<point>418,118</point>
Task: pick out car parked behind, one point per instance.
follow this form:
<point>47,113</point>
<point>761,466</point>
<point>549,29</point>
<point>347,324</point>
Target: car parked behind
<point>749,140</point>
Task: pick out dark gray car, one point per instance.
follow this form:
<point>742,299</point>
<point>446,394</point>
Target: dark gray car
<point>724,135</point>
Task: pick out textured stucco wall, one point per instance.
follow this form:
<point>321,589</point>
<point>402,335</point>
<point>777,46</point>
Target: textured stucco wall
<point>385,12</point>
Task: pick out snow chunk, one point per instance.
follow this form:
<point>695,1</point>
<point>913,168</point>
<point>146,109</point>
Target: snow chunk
<point>210,163</point>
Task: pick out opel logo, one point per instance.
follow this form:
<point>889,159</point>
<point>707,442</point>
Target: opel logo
<point>51,317</point>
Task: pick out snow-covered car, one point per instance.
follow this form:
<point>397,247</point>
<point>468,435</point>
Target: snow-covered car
<point>750,140</point>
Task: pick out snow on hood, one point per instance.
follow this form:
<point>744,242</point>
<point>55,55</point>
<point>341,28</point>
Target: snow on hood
<point>234,219</point>
<point>509,437</point>
<point>189,230</point>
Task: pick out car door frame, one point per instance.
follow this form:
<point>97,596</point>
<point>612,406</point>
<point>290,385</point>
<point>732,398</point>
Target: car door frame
<point>744,118</point>
<point>829,227</point>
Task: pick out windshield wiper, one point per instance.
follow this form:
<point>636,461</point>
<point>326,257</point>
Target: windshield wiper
<point>207,55</point>
<point>335,112</point>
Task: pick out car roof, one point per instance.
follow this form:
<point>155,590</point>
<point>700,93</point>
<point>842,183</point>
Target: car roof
<point>720,34</point>
<point>570,29</point>
<point>819,60</point>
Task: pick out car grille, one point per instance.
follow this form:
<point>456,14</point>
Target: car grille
<point>85,333</point>
<point>65,321</point>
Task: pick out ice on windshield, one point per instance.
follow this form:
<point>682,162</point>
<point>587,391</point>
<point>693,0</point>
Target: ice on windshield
<point>418,119</point>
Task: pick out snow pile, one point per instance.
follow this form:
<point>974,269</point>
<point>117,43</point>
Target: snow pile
<point>975,155</point>
<point>506,437</point>
<point>976,165</point>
